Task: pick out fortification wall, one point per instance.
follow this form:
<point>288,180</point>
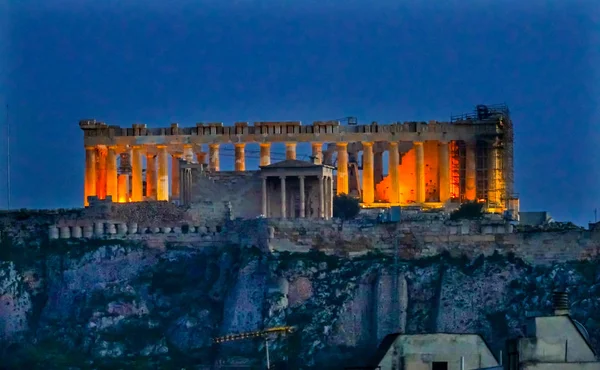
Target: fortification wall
<point>426,238</point>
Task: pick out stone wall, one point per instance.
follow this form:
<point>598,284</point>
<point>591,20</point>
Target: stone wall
<point>243,190</point>
<point>426,238</point>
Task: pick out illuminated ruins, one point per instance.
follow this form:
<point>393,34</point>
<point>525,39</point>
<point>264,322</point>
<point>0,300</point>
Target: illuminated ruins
<point>469,158</point>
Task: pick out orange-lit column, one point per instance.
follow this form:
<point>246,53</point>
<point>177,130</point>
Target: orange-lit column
<point>368,186</point>
<point>342,168</point>
<point>101,184</point>
<point>90,174</point>
<point>137,182</point>
<point>151,178</point>
<point>444,159</point>
<point>175,175</point>
<point>493,172</point>
<point>470,172</point>
<point>123,188</point>
<point>393,164</point>
<point>317,152</point>
<point>290,150</point>
<point>111,174</point>
<point>162,186</point>
<point>420,171</point>
<point>188,153</point>
<point>265,154</point>
<point>240,157</point>
<point>201,157</point>
<point>213,154</point>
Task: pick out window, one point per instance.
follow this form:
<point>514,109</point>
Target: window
<point>438,365</point>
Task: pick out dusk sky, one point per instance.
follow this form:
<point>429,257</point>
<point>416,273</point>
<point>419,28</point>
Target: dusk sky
<point>385,61</point>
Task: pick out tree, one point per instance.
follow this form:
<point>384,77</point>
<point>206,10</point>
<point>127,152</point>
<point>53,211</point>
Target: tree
<point>345,207</point>
<point>468,211</point>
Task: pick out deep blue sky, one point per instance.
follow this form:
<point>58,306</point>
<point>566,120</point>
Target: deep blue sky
<point>302,60</point>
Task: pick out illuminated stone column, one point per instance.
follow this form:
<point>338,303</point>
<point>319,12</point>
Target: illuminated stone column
<point>175,157</point>
<point>264,197</point>
<point>265,154</point>
<point>162,187</point>
<point>137,182</point>
<point>123,188</point>
<point>151,178</point>
<point>188,153</point>
<point>201,157</point>
<point>213,157</point>
<point>420,171</point>
<point>90,174</point>
<point>444,159</point>
<point>240,157</point>
<point>302,200</point>
<point>393,164</point>
<point>470,172</point>
<point>283,208</point>
<point>342,168</point>
<point>321,197</point>
<point>330,197</point>
<point>368,185</point>
<point>112,181</point>
<point>493,172</point>
<point>290,150</point>
<point>317,152</point>
<point>101,184</point>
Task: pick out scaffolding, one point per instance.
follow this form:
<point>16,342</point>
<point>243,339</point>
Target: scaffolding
<point>495,174</point>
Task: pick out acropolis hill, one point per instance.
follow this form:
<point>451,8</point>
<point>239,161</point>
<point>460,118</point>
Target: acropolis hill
<point>187,252</point>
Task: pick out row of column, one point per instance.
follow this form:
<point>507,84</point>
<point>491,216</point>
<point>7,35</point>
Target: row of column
<point>325,196</point>
<point>112,180</point>
<point>368,171</point>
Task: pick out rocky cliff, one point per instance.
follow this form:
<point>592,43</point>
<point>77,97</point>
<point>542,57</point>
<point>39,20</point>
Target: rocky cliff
<point>123,304</point>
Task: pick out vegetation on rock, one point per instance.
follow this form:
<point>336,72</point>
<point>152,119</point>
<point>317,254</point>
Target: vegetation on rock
<point>345,207</point>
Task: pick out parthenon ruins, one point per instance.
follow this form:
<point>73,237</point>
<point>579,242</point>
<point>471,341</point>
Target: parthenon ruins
<point>469,158</point>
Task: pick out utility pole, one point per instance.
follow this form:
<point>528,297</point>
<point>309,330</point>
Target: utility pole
<point>7,160</point>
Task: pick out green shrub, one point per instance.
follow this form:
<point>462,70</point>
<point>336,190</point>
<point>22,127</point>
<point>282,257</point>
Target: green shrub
<point>468,211</point>
<point>345,207</point>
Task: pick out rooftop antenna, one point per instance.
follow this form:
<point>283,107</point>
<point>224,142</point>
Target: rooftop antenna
<point>7,160</point>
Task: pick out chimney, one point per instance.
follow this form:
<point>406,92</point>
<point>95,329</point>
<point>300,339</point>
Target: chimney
<point>560,302</point>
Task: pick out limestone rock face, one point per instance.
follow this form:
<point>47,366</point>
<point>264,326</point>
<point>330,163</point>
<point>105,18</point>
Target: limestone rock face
<point>121,304</point>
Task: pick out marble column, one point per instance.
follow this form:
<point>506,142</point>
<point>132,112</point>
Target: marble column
<point>112,181</point>
<point>470,171</point>
<point>368,185</point>
<point>123,188</point>
<point>201,157</point>
<point>137,184</point>
<point>420,171</point>
<point>101,182</point>
<point>264,197</point>
<point>302,199</point>
<point>393,164</point>
<point>444,168</point>
<point>290,150</point>
<point>162,188</point>
<point>213,155</point>
<point>240,157</point>
<point>330,182</point>
<point>283,207</point>
<point>342,168</point>
<point>265,154</point>
<point>188,153</point>
<point>151,178</point>
<point>493,172</point>
<point>175,157</point>
<point>321,197</point>
<point>90,174</point>
<point>317,152</point>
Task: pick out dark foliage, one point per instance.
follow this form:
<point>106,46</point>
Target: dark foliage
<point>468,211</point>
<point>345,207</point>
